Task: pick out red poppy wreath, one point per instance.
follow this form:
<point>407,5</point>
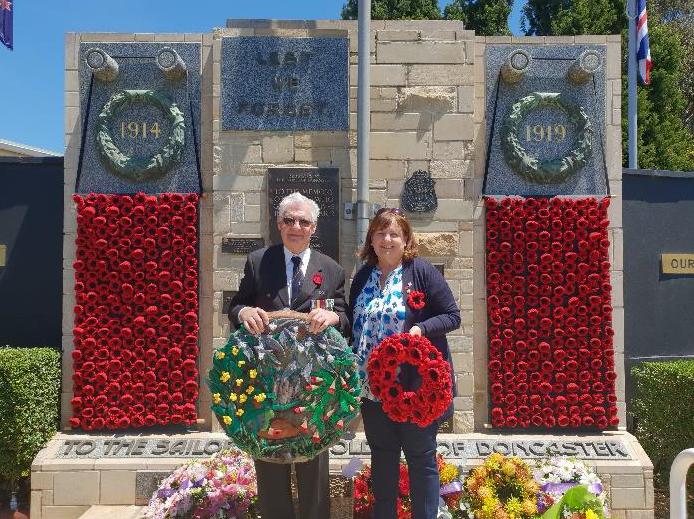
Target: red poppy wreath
<point>434,395</point>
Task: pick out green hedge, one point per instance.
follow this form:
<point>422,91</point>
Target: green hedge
<point>29,406</point>
<point>663,409</point>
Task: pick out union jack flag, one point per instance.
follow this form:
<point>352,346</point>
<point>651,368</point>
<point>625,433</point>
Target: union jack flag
<point>6,23</point>
<point>643,52</point>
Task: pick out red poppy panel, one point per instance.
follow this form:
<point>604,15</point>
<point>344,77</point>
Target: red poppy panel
<point>551,356</point>
<point>136,311</point>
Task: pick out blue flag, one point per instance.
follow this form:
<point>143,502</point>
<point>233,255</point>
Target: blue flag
<point>6,23</point>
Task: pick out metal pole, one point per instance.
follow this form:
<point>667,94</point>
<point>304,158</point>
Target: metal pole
<point>632,122</point>
<point>363,120</point>
<point>678,484</point>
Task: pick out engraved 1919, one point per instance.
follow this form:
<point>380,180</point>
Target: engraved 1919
<point>545,132</point>
<point>139,130</point>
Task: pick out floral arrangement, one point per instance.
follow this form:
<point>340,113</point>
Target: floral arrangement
<point>136,311</point>
<point>286,395</point>
<point>501,488</point>
<point>223,486</point>
<point>451,492</point>
<point>434,395</point>
<point>557,475</point>
<point>551,356</point>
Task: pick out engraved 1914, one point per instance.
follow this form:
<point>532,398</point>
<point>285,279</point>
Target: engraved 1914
<point>141,130</point>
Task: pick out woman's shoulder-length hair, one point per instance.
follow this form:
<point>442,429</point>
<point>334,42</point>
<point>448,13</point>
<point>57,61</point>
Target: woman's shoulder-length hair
<point>382,220</point>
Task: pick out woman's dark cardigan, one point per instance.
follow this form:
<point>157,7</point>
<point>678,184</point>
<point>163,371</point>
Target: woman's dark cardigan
<point>439,316</point>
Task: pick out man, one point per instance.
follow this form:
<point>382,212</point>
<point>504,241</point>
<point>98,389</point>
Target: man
<point>291,275</point>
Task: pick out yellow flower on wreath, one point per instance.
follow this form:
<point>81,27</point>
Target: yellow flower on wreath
<point>225,376</point>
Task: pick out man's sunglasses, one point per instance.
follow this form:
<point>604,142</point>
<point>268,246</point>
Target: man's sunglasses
<point>391,210</point>
<point>290,222</point>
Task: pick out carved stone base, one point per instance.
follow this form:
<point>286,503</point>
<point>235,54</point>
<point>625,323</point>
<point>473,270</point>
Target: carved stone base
<point>77,471</point>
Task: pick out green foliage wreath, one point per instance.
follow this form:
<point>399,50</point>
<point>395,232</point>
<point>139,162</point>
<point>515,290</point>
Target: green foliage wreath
<point>140,169</point>
<point>550,171</point>
<point>308,382</point>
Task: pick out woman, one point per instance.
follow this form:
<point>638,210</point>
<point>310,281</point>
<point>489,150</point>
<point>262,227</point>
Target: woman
<point>378,308</point>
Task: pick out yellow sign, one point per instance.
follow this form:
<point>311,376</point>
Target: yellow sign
<point>677,263</point>
<point>3,254</point>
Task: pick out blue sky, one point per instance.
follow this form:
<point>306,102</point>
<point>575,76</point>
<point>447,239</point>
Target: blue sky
<point>31,76</point>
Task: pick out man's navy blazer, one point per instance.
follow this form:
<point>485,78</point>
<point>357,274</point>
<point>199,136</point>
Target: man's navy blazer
<point>264,285</point>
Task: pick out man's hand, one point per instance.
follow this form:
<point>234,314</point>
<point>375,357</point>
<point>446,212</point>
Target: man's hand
<point>416,330</point>
<point>254,319</point>
<point>320,319</point>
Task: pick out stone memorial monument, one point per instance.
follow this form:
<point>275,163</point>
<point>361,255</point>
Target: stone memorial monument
<point>497,125</point>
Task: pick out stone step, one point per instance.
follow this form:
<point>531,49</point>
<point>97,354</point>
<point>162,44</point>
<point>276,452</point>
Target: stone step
<point>113,512</point>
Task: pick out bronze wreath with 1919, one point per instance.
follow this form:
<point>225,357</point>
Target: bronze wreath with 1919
<point>140,169</point>
<point>548,171</point>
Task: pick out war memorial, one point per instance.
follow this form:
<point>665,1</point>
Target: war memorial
<point>474,136</point>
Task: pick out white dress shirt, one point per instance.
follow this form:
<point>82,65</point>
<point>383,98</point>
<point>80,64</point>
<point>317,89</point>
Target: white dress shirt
<point>289,265</point>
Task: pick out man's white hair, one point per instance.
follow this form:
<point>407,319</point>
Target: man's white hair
<point>297,198</point>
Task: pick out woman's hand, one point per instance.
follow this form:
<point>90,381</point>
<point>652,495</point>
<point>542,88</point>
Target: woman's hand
<point>416,330</point>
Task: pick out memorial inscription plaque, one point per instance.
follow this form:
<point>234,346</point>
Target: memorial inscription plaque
<point>241,245</point>
<point>319,184</point>
<point>277,83</point>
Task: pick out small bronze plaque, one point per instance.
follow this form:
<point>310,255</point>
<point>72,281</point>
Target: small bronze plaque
<point>241,245</point>
<point>677,264</point>
<point>419,195</point>
<point>3,255</point>
<point>446,426</point>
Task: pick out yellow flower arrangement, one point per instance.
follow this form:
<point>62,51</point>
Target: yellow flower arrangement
<point>220,355</point>
<point>241,363</point>
<point>224,376</point>
<point>250,389</point>
<point>226,419</point>
<point>234,351</point>
<point>253,373</point>
<point>239,412</point>
<point>242,398</point>
<point>502,488</point>
<point>217,398</point>
<point>448,473</point>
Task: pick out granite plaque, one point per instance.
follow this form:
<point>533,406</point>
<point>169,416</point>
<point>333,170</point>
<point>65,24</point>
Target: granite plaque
<point>141,118</point>
<point>241,245</point>
<point>546,120</point>
<point>278,83</point>
<point>451,447</point>
<point>319,184</point>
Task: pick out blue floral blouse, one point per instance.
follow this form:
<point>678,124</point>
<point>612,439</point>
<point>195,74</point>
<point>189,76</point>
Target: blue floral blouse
<point>377,315</point>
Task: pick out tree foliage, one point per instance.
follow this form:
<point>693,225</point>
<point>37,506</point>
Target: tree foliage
<point>679,15</point>
<point>666,106</point>
<point>395,10</point>
<point>485,17</point>
<point>664,142</point>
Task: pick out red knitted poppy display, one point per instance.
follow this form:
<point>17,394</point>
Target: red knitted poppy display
<point>136,311</point>
<point>551,356</point>
<point>433,396</point>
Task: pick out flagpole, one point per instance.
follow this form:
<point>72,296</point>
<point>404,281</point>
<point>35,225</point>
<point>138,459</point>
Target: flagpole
<point>363,119</point>
<point>632,122</point>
